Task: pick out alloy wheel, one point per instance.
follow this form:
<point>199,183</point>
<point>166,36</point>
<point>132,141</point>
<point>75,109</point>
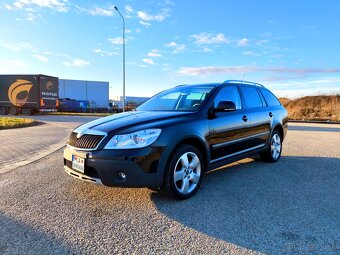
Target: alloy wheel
<point>187,173</point>
<point>276,146</point>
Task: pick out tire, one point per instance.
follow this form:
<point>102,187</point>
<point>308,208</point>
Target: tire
<point>26,111</point>
<point>154,189</point>
<point>3,110</point>
<point>13,111</point>
<point>273,153</point>
<point>183,174</point>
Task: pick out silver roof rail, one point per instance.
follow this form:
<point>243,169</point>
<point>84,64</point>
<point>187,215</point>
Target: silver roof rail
<point>243,82</point>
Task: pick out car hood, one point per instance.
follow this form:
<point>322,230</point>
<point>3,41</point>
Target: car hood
<point>117,122</point>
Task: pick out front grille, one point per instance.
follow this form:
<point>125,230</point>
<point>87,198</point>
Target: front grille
<point>85,141</point>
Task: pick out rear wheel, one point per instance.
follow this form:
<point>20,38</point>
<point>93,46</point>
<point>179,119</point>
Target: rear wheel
<point>26,111</point>
<point>13,110</point>
<point>3,110</point>
<point>183,174</point>
<point>273,153</point>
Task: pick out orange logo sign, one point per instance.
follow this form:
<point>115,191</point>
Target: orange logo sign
<point>49,85</point>
<point>16,88</point>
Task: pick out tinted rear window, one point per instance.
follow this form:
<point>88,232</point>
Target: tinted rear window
<point>270,98</point>
<point>251,97</point>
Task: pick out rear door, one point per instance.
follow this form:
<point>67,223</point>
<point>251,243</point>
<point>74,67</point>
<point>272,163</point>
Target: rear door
<point>258,115</point>
<point>227,129</point>
<point>49,88</point>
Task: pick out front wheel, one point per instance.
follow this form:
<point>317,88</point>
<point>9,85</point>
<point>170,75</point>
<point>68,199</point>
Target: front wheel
<point>183,174</point>
<point>273,153</point>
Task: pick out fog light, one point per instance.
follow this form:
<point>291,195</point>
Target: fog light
<point>121,175</point>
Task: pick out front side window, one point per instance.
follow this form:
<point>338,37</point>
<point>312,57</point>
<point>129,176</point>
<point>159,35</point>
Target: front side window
<point>251,97</point>
<point>182,98</point>
<point>229,93</point>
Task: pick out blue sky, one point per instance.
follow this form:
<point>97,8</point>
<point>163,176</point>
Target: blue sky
<point>292,47</point>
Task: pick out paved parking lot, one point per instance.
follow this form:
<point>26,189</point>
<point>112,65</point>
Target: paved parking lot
<point>249,207</point>
<point>25,145</point>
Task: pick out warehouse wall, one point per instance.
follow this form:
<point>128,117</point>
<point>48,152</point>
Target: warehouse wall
<point>96,92</point>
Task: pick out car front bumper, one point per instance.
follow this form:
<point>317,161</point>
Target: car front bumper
<point>104,167</point>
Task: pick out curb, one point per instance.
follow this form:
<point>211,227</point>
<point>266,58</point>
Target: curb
<point>39,156</point>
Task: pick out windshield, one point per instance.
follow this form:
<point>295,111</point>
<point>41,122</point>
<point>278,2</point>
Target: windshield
<point>182,98</point>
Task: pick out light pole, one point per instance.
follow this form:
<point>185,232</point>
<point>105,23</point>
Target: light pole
<point>116,8</point>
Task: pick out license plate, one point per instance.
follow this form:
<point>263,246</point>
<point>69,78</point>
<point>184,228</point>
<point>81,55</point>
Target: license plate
<point>78,163</point>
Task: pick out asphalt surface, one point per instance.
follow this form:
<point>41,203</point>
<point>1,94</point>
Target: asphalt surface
<point>249,207</point>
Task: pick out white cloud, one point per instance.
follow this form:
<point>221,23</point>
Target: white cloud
<point>250,53</point>
<point>243,42</point>
<point>297,72</point>
<point>76,63</point>
<point>146,24</point>
<point>177,48</point>
<point>129,9</point>
<point>208,70</point>
<point>206,49</point>
<point>148,17</point>
<point>117,40</point>
<point>304,87</point>
<point>40,58</point>
<point>58,5</point>
<point>207,38</point>
<point>171,44</point>
<point>101,12</point>
<point>8,7</point>
<point>97,11</point>
<point>261,42</point>
<point>148,61</point>
<point>105,53</point>
<point>154,53</point>
<point>30,16</point>
<point>168,2</point>
<point>17,47</point>
<point>17,5</point>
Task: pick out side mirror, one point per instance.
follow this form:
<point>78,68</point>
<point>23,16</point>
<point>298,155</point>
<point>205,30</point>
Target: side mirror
<point>225,106</point>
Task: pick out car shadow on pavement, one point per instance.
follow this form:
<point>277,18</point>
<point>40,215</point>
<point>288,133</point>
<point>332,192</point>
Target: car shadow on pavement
<point>290,207</point>
<point>19,238</point>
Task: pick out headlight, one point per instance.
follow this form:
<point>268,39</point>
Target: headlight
<point>134,140</point>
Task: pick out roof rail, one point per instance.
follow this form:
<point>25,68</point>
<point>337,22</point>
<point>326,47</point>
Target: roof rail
<point>243,82</point>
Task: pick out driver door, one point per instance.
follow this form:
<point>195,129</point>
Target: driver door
<point>227,129</point>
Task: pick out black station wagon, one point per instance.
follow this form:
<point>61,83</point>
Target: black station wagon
<point>171,140</point>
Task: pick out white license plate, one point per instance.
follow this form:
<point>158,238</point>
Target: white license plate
<point>78,163</point>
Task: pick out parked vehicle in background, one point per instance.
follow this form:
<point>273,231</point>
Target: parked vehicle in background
<point>71,105</point>
<point>172,139</point>
<point>28,94</point>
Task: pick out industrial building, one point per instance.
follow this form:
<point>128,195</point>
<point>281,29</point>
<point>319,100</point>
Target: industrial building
<point>130,102</point>
<point>95,92</point>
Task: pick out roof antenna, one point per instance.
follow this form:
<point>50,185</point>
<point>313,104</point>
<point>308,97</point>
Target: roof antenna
<point>244,74</point>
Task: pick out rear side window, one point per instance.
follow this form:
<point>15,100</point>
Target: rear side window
<point>229,93</point>
<point>251,97</point>
<point>270,98</point>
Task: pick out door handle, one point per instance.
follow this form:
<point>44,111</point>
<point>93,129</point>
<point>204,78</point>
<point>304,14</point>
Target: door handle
<point>270,114</point>
<point>244,118</point>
